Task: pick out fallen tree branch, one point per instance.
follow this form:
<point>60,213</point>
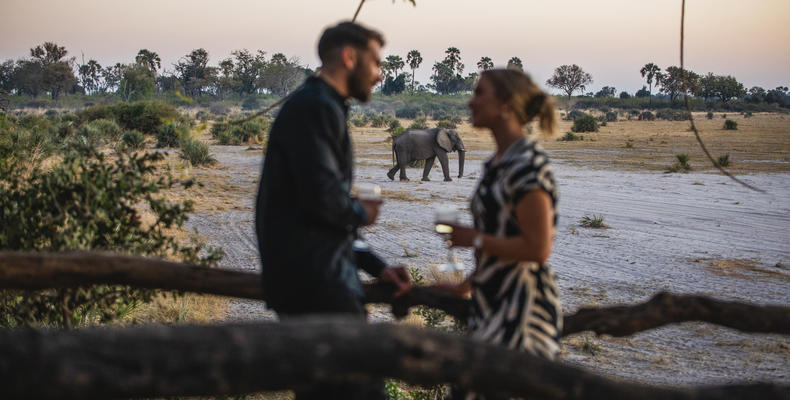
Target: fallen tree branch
<point>162,361</point>
<point>73,269</point>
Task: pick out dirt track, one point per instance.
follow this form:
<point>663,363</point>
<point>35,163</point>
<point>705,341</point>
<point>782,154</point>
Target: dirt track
<point>687,233</point>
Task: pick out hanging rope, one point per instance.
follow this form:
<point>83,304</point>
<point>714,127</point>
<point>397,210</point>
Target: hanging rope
<point>688,108</point>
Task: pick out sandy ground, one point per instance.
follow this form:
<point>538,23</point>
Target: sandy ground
<point>697,233</point>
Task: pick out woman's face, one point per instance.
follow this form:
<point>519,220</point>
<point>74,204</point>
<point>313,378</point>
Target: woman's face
<point>486,108</point>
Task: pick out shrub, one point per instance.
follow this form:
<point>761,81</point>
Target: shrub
<point>359,122</point>
<point>106,128</point>
<point>250,103</point>
<point>724,116</point>
<point>379,120</point>
<point>409,112</point>
<point>647,116</point>
<point>570,137</point>
<point>234,133</point>
<point>419,123</point>
<point>133,140</point>
<point>98,201</point>
<point>611,116</point>
<point>747,114</point>
<point>681,165</point>
<point>730,125</point>
<point>709,115</point>
<point>629,144</point>
<point>169,135</point>
<point>196,152</point>
<point>596,222</point>
<point>585,123</point>
<point>571,116</point>
<point>672,115</point>
<point>146,116</point>
<point>394,124</point>
<point>218,108</point>
<point>724,160</point>
<point>446,124</point>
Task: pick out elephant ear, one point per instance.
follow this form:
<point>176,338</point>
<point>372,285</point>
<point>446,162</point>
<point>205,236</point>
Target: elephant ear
<point>443,140</point>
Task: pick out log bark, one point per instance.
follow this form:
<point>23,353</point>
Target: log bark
<point>73,269</point>
<point>161,361</point>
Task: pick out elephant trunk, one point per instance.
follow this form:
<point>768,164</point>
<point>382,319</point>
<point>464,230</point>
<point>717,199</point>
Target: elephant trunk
<point>461,154</point>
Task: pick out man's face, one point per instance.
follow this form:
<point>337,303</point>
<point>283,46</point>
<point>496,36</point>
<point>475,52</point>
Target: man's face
<point>366,73</point>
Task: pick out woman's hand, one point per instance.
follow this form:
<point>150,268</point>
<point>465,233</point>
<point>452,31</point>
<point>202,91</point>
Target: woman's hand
<point>462,236</point>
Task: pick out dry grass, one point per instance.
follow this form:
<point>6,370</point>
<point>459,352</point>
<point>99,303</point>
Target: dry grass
<point>761,144</point>
<point>742,268</point>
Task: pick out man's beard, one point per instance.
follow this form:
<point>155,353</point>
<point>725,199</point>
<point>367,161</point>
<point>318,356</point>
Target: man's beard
<point>358,87</point>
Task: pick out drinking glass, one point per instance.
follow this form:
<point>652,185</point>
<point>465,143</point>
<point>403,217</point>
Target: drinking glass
<point>365,191</point>
<point>445,216</point>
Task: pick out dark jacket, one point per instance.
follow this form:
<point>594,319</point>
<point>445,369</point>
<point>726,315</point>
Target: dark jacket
<point>306,220</point>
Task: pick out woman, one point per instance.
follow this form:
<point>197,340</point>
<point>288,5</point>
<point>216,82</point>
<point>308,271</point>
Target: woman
<point>514,296</point>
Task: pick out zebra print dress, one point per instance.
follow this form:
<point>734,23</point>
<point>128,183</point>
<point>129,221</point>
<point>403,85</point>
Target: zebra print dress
<point>515,303</point>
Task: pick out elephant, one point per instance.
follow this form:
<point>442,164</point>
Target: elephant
<point>427,144</point>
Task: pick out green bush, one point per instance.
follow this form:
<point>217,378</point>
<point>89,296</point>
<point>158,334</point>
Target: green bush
<point>408,112</point>
<point>394,124</point>
<point>724,160</point>
<point>132,140</point>
<point>611,116</point>
<point>235,133</point>
<point>446,124</point>
<point>647,116</point>
<point>595,222</point>
<point>672,115</point>
<point>681,165</point>
<point>250,103</point>
<point>107,128</point>
<point>144,116</point>
<point>585,123</point>
<point>709,115</point>
<point>419,123</point>
<point>571,116</point>
<point>170,135</point>
<point>730,125</point>
<point>196,152</point>
<point>571,137</point>
<point>359,122</point>
<point>88,202</point>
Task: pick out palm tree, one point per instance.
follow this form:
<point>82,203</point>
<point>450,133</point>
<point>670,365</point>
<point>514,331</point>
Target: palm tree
<point>395,64</point>
<point>651,71</point>
<point>485,64</point>
<point>148,59</point>
<point>515,63</point>
<point>414,58</point>
<point>452,59</point>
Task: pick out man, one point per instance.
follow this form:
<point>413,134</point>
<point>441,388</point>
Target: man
<point>306,220</point>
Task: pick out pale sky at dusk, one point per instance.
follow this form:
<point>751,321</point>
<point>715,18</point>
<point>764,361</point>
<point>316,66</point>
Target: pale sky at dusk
<point>611,39</point>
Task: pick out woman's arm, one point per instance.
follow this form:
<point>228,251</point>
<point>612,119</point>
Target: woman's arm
<point>535,219</point>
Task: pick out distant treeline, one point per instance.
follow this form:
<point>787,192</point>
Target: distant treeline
<point>246,77</point>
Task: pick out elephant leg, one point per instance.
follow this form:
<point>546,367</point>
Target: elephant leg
<point>445,166</point>
<point>391,173</point>
<point>402,166</point>
<point>427,169</point>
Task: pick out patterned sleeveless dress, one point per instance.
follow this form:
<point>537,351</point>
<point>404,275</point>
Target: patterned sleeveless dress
<point>514,303</point>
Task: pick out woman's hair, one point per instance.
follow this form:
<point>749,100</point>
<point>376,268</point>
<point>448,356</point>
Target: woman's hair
<point>528,102</point>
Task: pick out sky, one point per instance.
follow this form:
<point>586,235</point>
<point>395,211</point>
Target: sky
<point>610,39</point>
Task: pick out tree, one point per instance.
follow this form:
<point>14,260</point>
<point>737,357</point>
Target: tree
<point>677,81</point>
<point>148,59</point>
<point>606,91</point>
<point>625,95</point>
<point>707,86</point>
<point>485,64</point>
<point>247,70</point>
<point>395,64</point>
<point>281,75</point>
<point>757,94</point>
<point>414,59</point>
<point>90,76</point>
<point>651,71</point>
<point>643,92</point>
<point>569,78</point>
<point>727,88</point>
<point>452,58</point>
<point>138,83</point>
<point>48,53</point>
<point>7,75</point>
<point>112,76</point>
<point>394,85</point>
<point>58,78</point>
<point>28,78</point>
<point>515,63</point>
<point>447,73</point>
<point>195,74</point>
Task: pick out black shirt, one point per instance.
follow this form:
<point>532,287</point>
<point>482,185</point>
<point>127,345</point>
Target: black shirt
<point>306,220</point>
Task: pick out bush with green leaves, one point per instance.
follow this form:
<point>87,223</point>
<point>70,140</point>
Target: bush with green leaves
<point>89,202</point>
<point>144,116</point>
<point>595,222</point>
<point>709,115</point>
<point>380,120</point>
<point>106,128</point>
<point>250,103</point>
<point>573,114</point>
<point>570,137</point>
<point>408,112</point>
<point>647,116</point>
<point>611,116</point>
<point>585,123</point>
<point>419,123</point>
<point>730,125</point>
<point>672,115</point>
<point>170,134</point>
<point>724,160</point>
<point>132,140</point>
<point>681,165</point>
<point>236,133</point>
<point>196,152</point>
<point>446,124</point>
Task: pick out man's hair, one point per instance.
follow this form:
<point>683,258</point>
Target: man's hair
<point>345,34</point>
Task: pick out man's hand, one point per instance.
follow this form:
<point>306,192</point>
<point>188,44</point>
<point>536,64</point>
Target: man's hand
<point>398,275</point>
<point>372,207</point>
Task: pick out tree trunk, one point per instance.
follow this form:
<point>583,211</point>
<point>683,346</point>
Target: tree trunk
<point>164,361</point>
